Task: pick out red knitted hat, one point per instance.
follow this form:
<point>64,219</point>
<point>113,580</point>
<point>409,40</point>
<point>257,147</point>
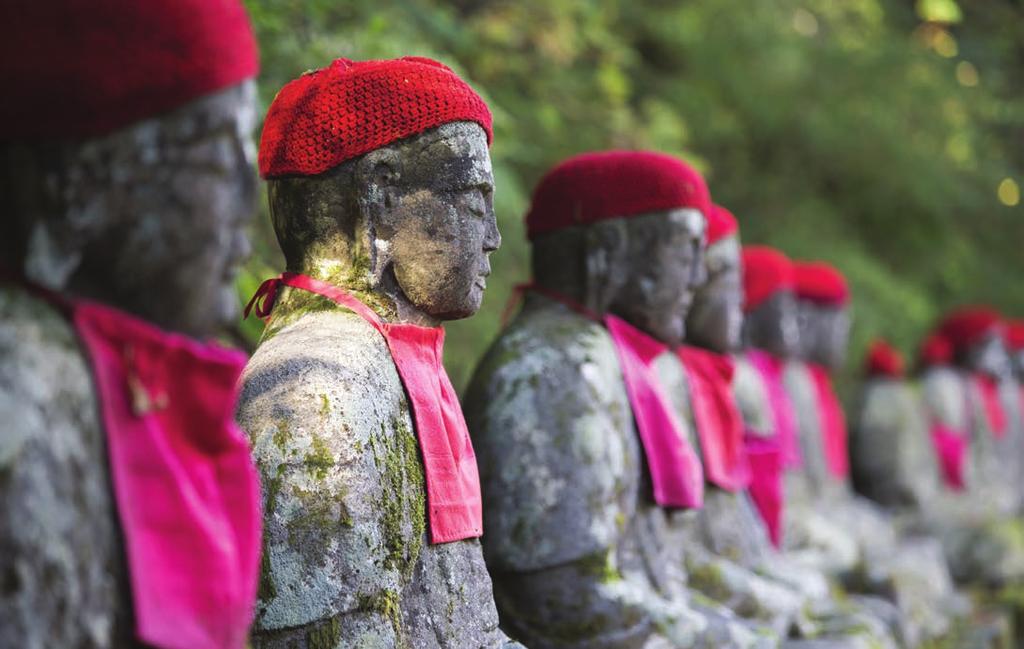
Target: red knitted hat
<point>81,68</point>
<point>721,223</point>
<point>819,282</point>
<point>1015,335</point>
<point>935,350</point>
<point>766,271</point>
<point>350,108</point>
<point>884,360</point>
<point>596,187</point>
<point>967,325</point>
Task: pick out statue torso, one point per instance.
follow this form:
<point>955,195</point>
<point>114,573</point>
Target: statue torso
<point>346,552</point>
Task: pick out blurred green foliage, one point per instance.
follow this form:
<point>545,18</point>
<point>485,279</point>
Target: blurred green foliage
<point>870,133</point>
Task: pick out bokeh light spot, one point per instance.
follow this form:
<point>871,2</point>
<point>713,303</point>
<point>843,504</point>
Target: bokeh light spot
<point>966,74</point>
<point>1008,192</point>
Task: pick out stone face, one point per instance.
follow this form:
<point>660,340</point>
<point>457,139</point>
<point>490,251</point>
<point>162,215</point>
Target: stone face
<point>347,558</point>
<point>63,580</point>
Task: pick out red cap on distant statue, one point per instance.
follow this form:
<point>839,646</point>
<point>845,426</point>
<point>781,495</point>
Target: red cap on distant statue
<point>766,271</point>
<point>884,360</point>
<point>350,108</point>
<point>966,326</point>
<point>821,283</point>
<point>594,187</point>
<point>1015,335</point>
<point>721,224</point>
<point>83,68</point>
<point>935,350</point>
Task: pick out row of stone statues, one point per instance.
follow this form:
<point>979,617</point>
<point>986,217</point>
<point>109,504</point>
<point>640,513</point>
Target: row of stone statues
<point>652,451</point>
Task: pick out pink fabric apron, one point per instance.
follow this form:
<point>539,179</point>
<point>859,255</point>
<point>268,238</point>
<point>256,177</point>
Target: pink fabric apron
<point>674,467</point>
<point>186,489</point>
<point>988,389</point>
<point>771,368</point>
<point>766,486</point>
<point>454,506</point>
<point>833,424</point>
<point>951,451</point>
<point>718,419</point>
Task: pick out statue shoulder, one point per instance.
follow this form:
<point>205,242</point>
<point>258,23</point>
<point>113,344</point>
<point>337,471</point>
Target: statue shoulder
<point>553,433</point>
<point>343,486</point>
<point>751,397</point>
<point>57,517</point>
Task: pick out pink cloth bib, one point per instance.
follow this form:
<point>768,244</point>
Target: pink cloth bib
<point>454,506</point>
<point>770,369</point>
<point>186,489</point>
<point>717,417</point>
<point>833,424</point>
<point>766,486</point>
<point>676,473</point>
<point>988,389</point>
<point>951,451</point>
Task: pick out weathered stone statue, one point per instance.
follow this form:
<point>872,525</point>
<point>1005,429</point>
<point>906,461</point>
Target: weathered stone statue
<point>586,464</point>
<point>380,191</point>
<point>128,504</point>
<point>892,457</point>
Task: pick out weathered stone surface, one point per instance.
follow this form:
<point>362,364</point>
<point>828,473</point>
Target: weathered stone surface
<point>63,580</point>
<point>347,562</point>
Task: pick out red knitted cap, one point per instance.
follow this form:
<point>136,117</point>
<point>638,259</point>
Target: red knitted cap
<point>967,325</point>
<point>1015,335</point>
<point>81,68</point>
<point>884,360</point>
<point>721,223</point>
<point>819,282</point>
<point>766,271</point>
<point>935,350</point>
<point>350,108</point>
<point>596,187</point>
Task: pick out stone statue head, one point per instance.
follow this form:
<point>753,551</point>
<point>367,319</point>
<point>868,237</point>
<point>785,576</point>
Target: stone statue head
<point>824,333</point>
<point>128,173</point>
<point>715,321</point>
<point>594,243</point>
<point>769,305</point>
<point>977,335</point>
<point>380,182</point>
<point>150,218</point>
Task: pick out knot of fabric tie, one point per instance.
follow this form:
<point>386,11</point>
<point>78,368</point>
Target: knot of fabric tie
<point>262,302</point>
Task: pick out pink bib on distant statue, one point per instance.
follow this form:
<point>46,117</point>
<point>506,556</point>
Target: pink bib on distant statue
<point>675,468</point>
<point>995,417</point>
<point>770,369</point>
<point>454,505</point>
<point>833,423</point>
<point>717,417</point>
<point>766,485</point>
<point>186,489</point>
<point>951,451</point>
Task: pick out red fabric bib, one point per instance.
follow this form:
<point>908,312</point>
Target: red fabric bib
<point>833,423</point>
<point>717,417</point>
<point>766,486</point>
<point>454,506</point>
<point>951,451</point>
<point>988,390</point>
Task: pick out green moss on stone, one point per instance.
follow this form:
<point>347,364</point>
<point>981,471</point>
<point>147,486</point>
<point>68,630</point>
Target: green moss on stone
<point>388,604</point>
<point>267,588</point>
<point>600,565</point>
<point>325,406</point>
<point>318,461</point>
<point>403,499</point>
<point>281,436</point>
<point>707,578</point>
<point>324,635</point>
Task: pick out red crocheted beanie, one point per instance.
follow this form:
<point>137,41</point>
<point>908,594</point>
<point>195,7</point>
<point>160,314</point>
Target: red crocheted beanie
<point>607,185</point>
<point>966,326</point>
<point>721,224</point>
<point>1015,335</point>
<point>350,108</point>
<point>82,68</point>
<point>819,282</point>
<point>766,271</point>
<point>884,360</point>
<point>935,350</point>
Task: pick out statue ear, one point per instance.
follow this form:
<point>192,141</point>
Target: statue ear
<point>377,175</point>
<point>605,259</point>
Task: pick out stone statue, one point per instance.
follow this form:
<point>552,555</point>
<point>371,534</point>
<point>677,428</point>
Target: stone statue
<point>581,553</point>
<point>126,207</point>
<point>369,541</point>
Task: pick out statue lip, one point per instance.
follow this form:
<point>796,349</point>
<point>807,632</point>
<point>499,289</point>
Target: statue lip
<point>481,281</point>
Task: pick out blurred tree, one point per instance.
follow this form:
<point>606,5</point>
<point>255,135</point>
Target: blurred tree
<point>879,135</point>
